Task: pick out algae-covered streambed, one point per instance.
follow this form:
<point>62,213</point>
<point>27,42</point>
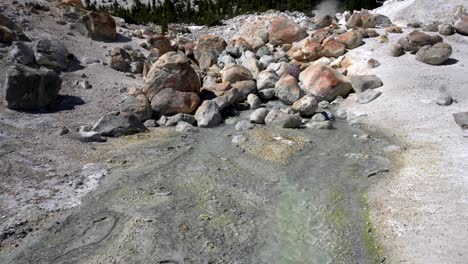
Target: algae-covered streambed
<point>283,196</point>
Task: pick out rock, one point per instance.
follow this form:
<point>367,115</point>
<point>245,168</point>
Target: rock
<point>100,26</point>
<point>235,73</point>
<point>7,35</point>
<point>181,117</point>
<point>306,106</point>
<point>258,116</point>
<point>233,51</point>
<point>333,48</point>
<point>27,88</point>
<point>136,67</point>
<point>253,66</point>
<point>312,50</point>
<point>341,114</point>
<point>267,94</point>
<point>263,51</point>
<point>227,99</point>
<point>373,63</point>
<point>396,50</point>
<point>88,137</point>
<point>285,31</point>
<point>51,54</point>
<point>120,60</point>
<point>170,101</point>
<point>85,85</point>
<point>266,60</point>
<point>320,35</point>
<point>115,125</point>
<point>417,39</point>
<point>238,139</point>
<point>284,68</point>
<point>253,101</point>
<point>278,118</point>
<point>362,83</point>
<point>434,55</point>
<point>461,24</point>
<point>287,90</point>
<point>244,125</point>
<point>184,127</point>
<point>161,43</point>
<point>461,119</point>
<point>21,53</point>
<point>267,79</point>
<point>444,99</point>
<point>171,70</point>
<point>323,21</point>
<point>63,131</point>
<point>350,39</point>
<point>208,114</point>
<point>244,88</point>
<point>324,82</point>
<point>446,29</point>
<point>431,27</point>
<point>367,96</point>
<point>90,60</point>
<point>320,125</point>
<point>150,123</point>
<point>207,50</point>
<point>364,19</point>
<point>138,106</point>
<point>224,60</point>
<point>255,33</point>
<point>394,29</point>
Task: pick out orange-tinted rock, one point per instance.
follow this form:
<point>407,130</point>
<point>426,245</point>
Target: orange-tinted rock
<point>235,73</point>
<point>312,50</point>
<point>285,31</point>
<point>161,43</point>
<point>170,101</point>
<point>324,82</point>
<point>320,34</point>
<point>100,26</point>
<point>351,39</point>
<point>333,48</point>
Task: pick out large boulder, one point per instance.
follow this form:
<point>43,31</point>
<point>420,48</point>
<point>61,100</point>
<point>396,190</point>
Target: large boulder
<point>312,50</point>
<point>324,82</point>
<point>333,48</point>
<point>461,24</point>
<point>285,31</point>
<point>255,33</point>
<point>207,50</point>
<point>27,88</point>
<point>350,39</point>
<point>276,117</point>
<point>138,106</point>
<point>170,101</point>
<point>171,70</point>
<point>100,26</point>
<point>52,54</point>
<point>115,124</point>
<point>287,90</point>
<point>435,54</point>
<point>417,39</point>
<point>208,114</point>
<point>161,43</point>
<point>364,19</point>
<point>235,73</point>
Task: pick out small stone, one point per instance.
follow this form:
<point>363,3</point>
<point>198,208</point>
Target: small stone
<point>258,116</point>
<point>85,85</point>
<point>444,99</point>
<point>238,139</point>
<point>396,50</point>
<point>244,125</point>
<point>150,123</point>
<point>63,131</point>
<point>319,117</point>
<point>253,101</point>
<point>367,96</point>
<point>184,127</point>
<point>320,125</point>
<point>373,63</point>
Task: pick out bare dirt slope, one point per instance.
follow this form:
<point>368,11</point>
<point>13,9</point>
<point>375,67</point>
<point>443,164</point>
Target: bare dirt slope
<point>423,208</point>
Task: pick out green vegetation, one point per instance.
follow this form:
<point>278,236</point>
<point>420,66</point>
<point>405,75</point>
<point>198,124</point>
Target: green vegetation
<point>210,12</point>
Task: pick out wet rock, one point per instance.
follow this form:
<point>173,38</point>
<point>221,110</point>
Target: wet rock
<point>138,106</point>
<point>100,26</point>
<point>267,79</point>
<point>27,88</point>
<point>362,83</point>
<point>170,101</point>
<point>333,48</point>
<point>114,125</point>
<point>461,24</point>
<point>306,106</point>
<point>417,39</point>
<point>278,118</point>
<point>285,31</point>
<point>171,70</point>
<point>446,29</point>
<point>396,50</point>
<point>258,116</point>
<point>319,117</point>
<point>208,114</point>
<point>435,54</point>
<point>184,127</point>
<point>367,96</point>
<point>287,90</point>
<point>350,39</point>
<point>181,117</point>
<point>244,125</point>
<point>161,43</point>
<point>253,101</point>
<point>235,73</point>
<point>21,53</point>
<point>52,54</point>
<point>324,82</point>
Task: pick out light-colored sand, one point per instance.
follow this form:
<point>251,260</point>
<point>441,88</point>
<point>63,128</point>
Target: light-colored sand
<point>422,210</point>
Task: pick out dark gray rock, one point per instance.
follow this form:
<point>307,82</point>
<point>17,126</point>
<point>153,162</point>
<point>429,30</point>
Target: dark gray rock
<point>114,125</point>
<point>27,88</point>
<point>21,53</point>
<point>52,54</point>
<point>362,83</point>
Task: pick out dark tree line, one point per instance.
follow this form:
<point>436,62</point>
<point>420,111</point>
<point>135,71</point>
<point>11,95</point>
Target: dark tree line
<point>210,12</point>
